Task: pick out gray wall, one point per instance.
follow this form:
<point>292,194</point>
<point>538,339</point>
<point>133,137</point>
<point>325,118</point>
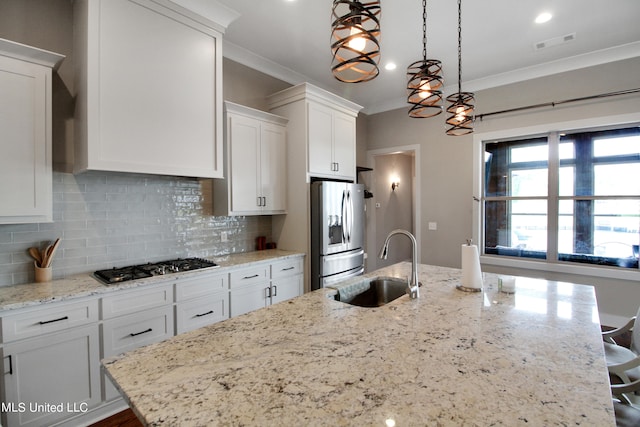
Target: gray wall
<point>393,209</point>
<point>114,219</point>
<point>447,177</point>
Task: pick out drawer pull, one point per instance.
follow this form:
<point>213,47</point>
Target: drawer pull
<point>205,314</point>
<point>44,322</point>
<point>251,277</point>
<point>275,291</point>
<point>140,333</point>
<point>287,269</point>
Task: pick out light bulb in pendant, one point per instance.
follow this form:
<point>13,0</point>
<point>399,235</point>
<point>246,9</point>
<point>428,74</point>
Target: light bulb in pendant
<point>460,114</point>
<point>425,89</point>
<point>356,41</point>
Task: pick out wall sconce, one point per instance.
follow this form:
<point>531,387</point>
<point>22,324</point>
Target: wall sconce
<point>395,184</point>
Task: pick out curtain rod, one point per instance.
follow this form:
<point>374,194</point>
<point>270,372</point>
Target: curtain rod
<point>553,104</point>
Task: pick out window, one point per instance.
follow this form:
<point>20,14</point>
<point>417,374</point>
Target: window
<point>564,197</point>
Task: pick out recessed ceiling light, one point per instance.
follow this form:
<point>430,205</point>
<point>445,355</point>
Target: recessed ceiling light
<point>390,66</point>
<point>543,17</point>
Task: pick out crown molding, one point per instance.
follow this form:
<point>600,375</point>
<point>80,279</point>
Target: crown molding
<point>618,53</point>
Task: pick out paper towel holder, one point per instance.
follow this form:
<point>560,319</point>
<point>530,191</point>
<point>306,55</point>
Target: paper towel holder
<point>460,287</point>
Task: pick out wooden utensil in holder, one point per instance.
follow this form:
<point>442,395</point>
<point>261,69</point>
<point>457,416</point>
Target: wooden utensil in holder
<point>42,261</point>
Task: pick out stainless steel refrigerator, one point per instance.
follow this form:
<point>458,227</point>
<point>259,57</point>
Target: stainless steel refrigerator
<point>337,232</point>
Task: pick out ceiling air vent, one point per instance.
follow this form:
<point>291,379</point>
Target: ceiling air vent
<point>554,41</point>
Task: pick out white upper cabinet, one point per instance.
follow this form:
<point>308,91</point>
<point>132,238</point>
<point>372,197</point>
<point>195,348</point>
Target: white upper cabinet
<point>25,133</point>
<point>323,125</point>
<point>149,82</point>
<point>332,142</point>
<point>256,176</point>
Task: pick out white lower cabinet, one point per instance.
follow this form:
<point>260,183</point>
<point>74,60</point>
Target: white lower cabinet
<point>201,301</point>
<point>249,289</point>
<point>54,374</point>
<point>132,319</point>
<point>265,284</point>
<point>51,353</point>
<point>287,280</point>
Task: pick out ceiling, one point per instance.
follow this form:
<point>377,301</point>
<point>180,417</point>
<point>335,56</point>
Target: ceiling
<point>289,39</point>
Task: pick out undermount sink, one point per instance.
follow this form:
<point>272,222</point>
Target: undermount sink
<point>380,292</point>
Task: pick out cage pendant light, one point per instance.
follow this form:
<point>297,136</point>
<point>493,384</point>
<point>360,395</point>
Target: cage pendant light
<point>424,80</point>
<point>461,104</point>
<point>355,30</point>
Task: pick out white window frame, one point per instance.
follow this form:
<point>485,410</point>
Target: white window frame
<point>524,132</point>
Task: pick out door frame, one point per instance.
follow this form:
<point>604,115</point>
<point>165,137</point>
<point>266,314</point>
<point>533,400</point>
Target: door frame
<point>372,251</point>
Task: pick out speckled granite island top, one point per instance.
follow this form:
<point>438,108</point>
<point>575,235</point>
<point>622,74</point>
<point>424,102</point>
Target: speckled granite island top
<point>450,358</point>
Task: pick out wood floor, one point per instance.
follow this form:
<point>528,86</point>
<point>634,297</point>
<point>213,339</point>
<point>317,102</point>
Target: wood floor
<point>125,418</point>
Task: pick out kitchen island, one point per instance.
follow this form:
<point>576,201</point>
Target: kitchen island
<point>448,358</point>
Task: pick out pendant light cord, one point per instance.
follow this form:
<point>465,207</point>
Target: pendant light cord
<point>424,30</point>
<point>459,46</point>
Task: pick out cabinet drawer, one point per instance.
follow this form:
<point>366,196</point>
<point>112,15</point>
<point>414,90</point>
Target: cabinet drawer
<point>201,286</point>
<point>249,276</point>
<point>129,332</point>
<point>286,268</point>
<point>53,318</point>
<point>127,302</point>
<point>202,311</point>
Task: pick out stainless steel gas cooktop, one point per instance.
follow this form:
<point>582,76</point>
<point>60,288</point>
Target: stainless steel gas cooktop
<point>123,274</point>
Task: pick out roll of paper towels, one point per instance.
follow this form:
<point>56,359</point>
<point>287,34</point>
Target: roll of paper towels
<point>471,274</point>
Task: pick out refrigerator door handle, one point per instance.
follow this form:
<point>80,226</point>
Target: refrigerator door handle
<point>347,218</point>
<point>350,215</point>
<point>344,215</point>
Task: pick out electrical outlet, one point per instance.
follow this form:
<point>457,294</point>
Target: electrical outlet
<point>433,226</point>
<point>223,236</point>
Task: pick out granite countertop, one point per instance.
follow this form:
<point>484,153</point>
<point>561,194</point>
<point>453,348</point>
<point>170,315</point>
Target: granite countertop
<point>84,285</point>
<point>450,358</point>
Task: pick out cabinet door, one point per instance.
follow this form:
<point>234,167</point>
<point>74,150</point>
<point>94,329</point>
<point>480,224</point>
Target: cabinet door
<point>286,288</point>
<point>320,139</point>
<point>60,369</point>
<point>249,298</point>
<point>344,145</point>
<point>244,146</point>
<point>153,90</point>
<point>25,142</point>
<point>273,168</point>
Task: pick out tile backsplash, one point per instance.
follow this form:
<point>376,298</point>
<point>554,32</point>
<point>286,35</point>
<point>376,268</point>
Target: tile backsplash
<point>109,219</point>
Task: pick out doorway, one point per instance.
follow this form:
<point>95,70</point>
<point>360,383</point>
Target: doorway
<point>395,184</point>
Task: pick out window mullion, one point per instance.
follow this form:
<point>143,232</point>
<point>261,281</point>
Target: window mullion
<point>553,193</point>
